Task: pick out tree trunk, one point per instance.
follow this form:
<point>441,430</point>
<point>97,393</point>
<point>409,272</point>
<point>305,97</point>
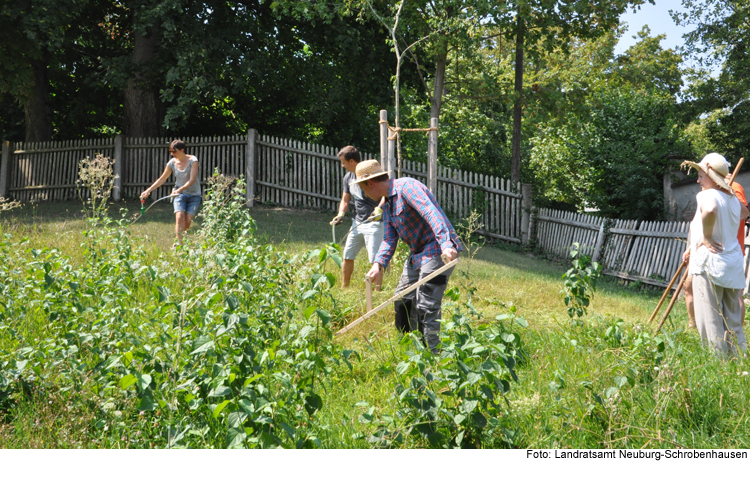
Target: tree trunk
<point>442,60</point>
<point>37,112</point>
<point>515,165</point>
<point>141,102</point>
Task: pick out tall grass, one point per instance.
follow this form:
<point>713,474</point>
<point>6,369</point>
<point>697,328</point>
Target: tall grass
<point>604,381</point>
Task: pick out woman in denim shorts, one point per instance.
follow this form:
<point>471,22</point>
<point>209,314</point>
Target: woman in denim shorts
<point>187,189</point>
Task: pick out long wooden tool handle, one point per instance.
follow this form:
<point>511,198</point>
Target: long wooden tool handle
<point>421,282</point>
<point>666,292</point>
<point>673,301</point>
<point>368,292</point>
<point>736,170</point>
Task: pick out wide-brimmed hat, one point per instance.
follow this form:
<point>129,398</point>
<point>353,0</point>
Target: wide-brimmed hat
<point>368,170</point>
<point>715,166</point>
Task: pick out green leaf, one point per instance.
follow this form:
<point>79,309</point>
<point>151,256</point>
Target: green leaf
<point>621,381</point>
<point>336,259</point>
<point>313,403</point>
<point>220,259</point>
<point>127,381</point>
<point>202,344</point>
<point>162,293</point>
<point>479,420</point>
<point>308,294</point>
<point>236,438</point>
<point>147,404</point>
<point>309,311</point>
<point>214,299</point>
<point>232,302</point>
<point>220,407</point>
<point>248,287</point>
<point>325,317</point>
<point>144,381</point>
<point>402,367</point>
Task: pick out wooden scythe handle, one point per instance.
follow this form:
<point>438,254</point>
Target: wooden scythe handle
<point>396,297</point>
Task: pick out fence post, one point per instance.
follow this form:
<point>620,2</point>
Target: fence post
<point>383,123</point>
<point>250,167</point>
<point>392,158</point>
<point>432,156</point>
<point>599,243</point>
<point>526,205</point>
<point>118,158</point>
<point>5,170</point>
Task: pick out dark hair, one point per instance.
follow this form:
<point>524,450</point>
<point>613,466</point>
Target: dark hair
<point>380,178</point>
<point>350,153</point>
<point>177,144</point>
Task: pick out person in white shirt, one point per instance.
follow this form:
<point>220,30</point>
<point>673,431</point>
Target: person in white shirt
<point>715,258</point>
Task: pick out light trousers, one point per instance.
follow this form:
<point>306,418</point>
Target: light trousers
<point>718,316</point>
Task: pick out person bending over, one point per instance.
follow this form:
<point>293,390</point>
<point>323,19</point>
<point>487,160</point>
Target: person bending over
<point>412,214</point>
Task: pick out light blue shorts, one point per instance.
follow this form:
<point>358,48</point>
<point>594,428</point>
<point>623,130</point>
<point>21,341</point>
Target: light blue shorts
<point>368,235</point>
<point>187,203</point>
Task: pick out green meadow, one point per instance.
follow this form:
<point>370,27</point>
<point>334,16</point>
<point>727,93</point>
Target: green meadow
<point>110,340</point>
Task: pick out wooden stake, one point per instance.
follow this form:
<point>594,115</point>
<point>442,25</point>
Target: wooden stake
<point>666,292</point>
<point>396,297</point>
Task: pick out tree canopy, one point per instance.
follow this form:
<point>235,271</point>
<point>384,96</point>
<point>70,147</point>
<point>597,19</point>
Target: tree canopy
<point>530,89</point>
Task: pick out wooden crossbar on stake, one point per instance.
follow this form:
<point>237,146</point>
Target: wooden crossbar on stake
<point>684,277</point>
<point>397,296</point>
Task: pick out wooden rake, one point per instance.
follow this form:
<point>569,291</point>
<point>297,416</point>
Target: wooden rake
<point>685,275</point>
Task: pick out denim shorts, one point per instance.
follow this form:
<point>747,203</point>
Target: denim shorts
<point>187,203</point>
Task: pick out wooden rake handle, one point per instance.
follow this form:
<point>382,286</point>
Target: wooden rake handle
<point>673,301</point>
<point>736,170</point>
<point>666,292</point>
<point>397,296</point>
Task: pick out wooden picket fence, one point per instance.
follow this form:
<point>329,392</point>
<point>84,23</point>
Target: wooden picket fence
<point>278,171</point>
<point>645,251</point>
<point>296,174</point>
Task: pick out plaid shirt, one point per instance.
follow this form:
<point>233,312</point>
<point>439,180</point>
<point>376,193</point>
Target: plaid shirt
<point>412,214</point>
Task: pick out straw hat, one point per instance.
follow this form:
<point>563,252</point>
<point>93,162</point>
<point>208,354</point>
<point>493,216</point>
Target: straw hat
<point>715,166</point>
<point>368,169</point>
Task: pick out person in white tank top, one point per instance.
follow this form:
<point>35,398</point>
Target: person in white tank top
<point>715,258</point>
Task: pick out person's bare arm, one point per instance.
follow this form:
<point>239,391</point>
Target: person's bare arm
<point>343,207</point>
<point>708,219</point>
<point>164,176</point>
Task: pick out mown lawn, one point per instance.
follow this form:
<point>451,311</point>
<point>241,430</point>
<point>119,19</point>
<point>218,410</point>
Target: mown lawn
<point>604,381</point>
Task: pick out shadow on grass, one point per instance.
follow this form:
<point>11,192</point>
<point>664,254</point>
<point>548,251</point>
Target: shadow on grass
<point>72,210</point>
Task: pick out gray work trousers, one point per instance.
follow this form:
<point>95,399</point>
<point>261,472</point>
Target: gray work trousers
<point>426,301</point>
<point>718,315</point>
